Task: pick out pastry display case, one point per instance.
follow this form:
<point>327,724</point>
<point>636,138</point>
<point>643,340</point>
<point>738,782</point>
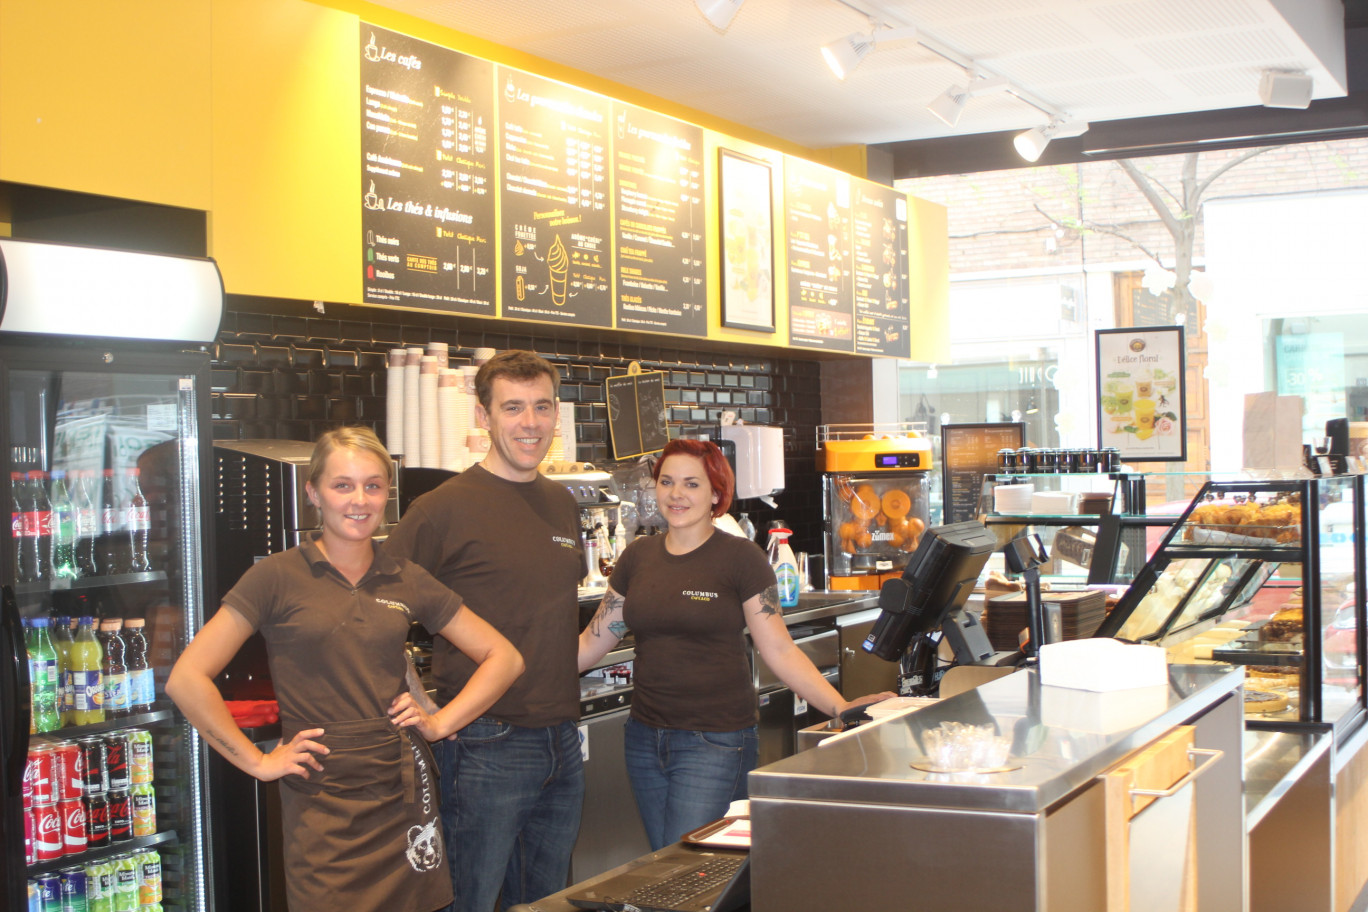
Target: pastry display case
<point>1267,575</point>
<point>875,500</point>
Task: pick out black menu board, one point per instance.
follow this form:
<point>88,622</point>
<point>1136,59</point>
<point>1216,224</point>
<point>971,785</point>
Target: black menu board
<point>878,217</point>
<point>658,194</point>
<point>968,452</point>
<point>818,232</point>
<point>427,175</point>
<point>554,201</point>
<point>636,414</point>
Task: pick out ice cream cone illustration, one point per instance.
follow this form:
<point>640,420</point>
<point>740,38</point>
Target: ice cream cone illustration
<point>559,264</point>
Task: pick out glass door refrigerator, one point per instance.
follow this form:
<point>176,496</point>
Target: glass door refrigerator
<point>104,424</point>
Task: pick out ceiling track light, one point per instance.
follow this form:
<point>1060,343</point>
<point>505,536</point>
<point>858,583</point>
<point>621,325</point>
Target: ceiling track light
<point>844,55</point>
<point>1031,144</point>
<point>950,104</point>
<point>719,13</point>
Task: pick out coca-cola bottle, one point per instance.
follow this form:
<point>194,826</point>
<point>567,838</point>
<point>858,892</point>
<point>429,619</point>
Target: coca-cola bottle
<point>18,486</point>
<point>109,558</point>
<point>37,528</point>
<point>139,522</point>
<point>85,501</point>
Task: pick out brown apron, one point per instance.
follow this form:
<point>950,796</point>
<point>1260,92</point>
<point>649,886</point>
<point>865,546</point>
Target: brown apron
<point>367,830</point>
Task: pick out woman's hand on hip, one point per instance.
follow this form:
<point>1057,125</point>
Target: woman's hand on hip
<point>294,757</point>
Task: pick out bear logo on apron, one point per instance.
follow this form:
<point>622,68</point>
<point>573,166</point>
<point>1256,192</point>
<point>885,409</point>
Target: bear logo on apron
<point>424,851</point>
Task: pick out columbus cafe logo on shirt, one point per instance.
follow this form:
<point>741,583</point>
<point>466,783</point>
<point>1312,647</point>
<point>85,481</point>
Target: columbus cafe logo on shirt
<point>424,852</point>
<point>565,542</point>
<point>397,606</point>
<point>698,596</point>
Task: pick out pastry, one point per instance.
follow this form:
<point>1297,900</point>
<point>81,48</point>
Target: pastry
<point>1283,627</point>
<point>1263,701</point>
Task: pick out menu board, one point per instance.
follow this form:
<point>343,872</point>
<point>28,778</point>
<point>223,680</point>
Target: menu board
<point>658,196</point>
<point>818,232</point>
<point>969,452</point>
<point>878,218</point>
<point>554,201</point>
<point>636,414</point>
<point>427,175</point>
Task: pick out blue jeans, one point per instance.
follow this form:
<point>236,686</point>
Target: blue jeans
<point>684,779</point>
<point>511,802</point>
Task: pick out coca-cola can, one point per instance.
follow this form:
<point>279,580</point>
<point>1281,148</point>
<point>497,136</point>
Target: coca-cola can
<point>93,765</point>
<point>74,837</point>
<point>47,832</point>
<point>116,760</point>
<point>30,849</point>
<point>70,770</point>
<point>120,815</point>
<point>41,774</point>
<point>97,819</point>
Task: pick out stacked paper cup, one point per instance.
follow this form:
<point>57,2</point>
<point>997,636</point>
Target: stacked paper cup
<point>429,427</point>
<point>441,351</point>
<point>412,411</point>
<point>394,401</point>
<point>450,401</point>
<point>569,445</point>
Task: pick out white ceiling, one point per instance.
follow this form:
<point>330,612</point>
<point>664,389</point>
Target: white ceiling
<point>1093,60</point>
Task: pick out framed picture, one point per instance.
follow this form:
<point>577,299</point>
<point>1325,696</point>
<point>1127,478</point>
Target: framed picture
<point>1141,393</point>
<point>747,221</point>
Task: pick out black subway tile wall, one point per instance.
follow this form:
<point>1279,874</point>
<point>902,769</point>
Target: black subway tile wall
<point>293,375</point>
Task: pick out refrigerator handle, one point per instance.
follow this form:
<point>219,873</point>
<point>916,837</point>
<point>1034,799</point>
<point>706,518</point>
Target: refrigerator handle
<point>15,708</point>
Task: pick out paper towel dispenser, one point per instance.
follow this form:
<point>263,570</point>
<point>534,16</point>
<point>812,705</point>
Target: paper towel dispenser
<point>759,459</point>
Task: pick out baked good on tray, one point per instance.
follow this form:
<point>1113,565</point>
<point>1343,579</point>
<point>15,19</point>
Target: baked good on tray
<point>1264,701</point>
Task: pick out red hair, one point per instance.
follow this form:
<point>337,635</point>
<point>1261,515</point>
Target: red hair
<point>715,465</point>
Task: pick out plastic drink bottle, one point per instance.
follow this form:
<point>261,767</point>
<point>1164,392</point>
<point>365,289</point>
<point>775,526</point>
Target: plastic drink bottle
<point>108,558</point>
<point>114,671</point>
<point>63,529</point>
<point>61,641</point>
<point>87,677</point>
<point>785,567</point>
<point>17,485</point>
<point>43,676</point>
<point>141,683</point>
<point>139,526</point>
<point>38,536</point>
<point>83,499</point>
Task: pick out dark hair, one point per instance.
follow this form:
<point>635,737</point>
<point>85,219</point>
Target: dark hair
<point>359,439</point>
<point>516,365</point>
<point>720,477</point>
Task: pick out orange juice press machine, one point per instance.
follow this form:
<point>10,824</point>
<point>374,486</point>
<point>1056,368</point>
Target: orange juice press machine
<point>875,499</point>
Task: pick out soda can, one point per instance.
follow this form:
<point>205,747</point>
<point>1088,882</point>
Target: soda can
<point>101,886</point>
<point>93,763</point>
<point>47,832</point>
<point>70,768</point>
<point>49,890</point>
<point>125,884</point>
<point>27,785</point>
<point>116,760</point>
<point>97,819</point>
<point>120,815</point>
<point>74,835</point>
<point>144,809</point>
<point>139,755</point>
<point>149,878</point>
<point>30,849</point>
<point>34,903</point>
<point>41,774</point>
<point>75,890</point>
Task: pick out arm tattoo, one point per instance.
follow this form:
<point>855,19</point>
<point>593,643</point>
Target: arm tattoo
<point>611,604</point>
<point>224,743</point>
<point>769,602</point>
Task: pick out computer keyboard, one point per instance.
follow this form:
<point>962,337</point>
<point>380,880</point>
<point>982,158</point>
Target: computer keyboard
<point>686,885</point>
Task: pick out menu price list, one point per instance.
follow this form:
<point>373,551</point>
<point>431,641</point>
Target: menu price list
<point>968,453</point>
<point>879,229</point>
<point>554,201</point>
<point>428,215</point>
<point>818,231</point>
<point>661,261</point>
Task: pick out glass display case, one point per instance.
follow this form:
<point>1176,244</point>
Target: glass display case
<point>1268,575</point>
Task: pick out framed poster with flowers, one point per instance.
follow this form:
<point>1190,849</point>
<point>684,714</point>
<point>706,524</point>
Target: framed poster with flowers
<point>1140,393</point>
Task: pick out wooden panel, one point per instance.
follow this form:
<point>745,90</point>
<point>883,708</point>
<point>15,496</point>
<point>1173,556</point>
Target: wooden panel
<point>1351,822</point>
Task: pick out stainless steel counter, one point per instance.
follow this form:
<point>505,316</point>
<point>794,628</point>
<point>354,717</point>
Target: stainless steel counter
<point>1274,762</point>
<point>1061,740</point>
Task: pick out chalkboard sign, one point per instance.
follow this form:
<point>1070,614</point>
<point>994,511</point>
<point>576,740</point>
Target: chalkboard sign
<point>427,175</point>
<point>636,414</point>
<point>555,215</point>
<point>968,452</point>
<point>662,266</point>
<point>878,218</point>
<point>818,236</point>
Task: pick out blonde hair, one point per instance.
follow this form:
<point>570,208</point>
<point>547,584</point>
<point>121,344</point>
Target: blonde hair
<point>362,439</point>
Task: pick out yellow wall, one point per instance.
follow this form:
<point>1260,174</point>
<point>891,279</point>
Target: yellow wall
<point>248,109</point>
<point>107,98</point>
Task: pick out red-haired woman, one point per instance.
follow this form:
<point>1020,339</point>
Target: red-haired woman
<point>688,597</point>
